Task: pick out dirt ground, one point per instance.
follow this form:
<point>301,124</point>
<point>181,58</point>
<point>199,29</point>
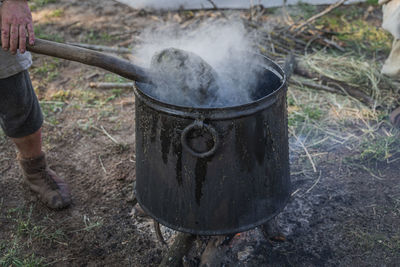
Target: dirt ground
<point>338,215</point>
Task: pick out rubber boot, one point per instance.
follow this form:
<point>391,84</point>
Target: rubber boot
<point>53,191</point>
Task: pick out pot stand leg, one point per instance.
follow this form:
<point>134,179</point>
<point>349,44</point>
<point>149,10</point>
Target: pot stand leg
<point>180,247</point>
<point>159,235</point>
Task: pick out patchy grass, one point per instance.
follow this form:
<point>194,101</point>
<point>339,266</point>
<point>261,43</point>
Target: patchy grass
<point>367,240</point>
<point>383,148</point>
<point>361,36</point>
<point>29,233</point>
<point>11,256</point>
<point>101,102</point>
<point>47,71</point>
<point>91,98</point>
<point>350,28</point>
<point>61,95</point>
<point>319,121</point>
<point>358,72</point>
<point>26,232</point>
<point>114,78</point>
<point>36,4</point>
<point>50,110</point>
<point>373,2</point>
<point>57,13</point>
<point>90,224</point>
<point>27,228</point>
<point>42,32</point>
<point>98,37</point>
<point>302,10</point>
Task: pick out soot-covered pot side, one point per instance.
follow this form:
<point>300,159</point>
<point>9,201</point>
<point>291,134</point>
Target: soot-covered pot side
<point>214,171</point>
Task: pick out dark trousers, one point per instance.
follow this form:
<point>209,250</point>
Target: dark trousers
<point>20,113</point>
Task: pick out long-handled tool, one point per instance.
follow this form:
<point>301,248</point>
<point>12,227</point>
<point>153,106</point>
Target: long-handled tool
<point>89,57</point>
<point>174,69</point>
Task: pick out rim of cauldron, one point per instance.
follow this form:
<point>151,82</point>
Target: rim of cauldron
<point>218,113</point>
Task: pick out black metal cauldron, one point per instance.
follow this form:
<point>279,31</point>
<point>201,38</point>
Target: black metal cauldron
<point>214,171</point>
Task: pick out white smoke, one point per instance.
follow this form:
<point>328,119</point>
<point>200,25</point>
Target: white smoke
<point>223,45</point>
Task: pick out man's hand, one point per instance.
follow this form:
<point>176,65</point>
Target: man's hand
<point>16,25</point>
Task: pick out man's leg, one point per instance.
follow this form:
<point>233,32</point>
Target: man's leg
<point>29,146</point>
<point>21,119</point>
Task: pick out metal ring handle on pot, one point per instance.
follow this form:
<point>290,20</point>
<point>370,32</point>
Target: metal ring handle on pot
<point>199,125</point>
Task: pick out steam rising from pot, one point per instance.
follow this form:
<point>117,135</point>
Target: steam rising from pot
<point>185,74</point>
<point>225,46</point>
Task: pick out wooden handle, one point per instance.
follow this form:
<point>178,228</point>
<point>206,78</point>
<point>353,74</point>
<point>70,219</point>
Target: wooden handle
<point>116,65</point>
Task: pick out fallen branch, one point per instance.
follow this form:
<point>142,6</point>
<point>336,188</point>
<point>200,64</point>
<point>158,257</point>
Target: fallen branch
<point>334,44</point>
<point>109,136</point>
<point>213,4</point>
<point>102,165</point>
<point>111,85</point>
<point>302,70</point>
<point>305,150</point>
<point>317,86</point>
<point>316,182</point>
<point>300,27</point>
<point>102,130</point>
<point>355,93</point>
<point>182,244</point>
<point>286,16</point>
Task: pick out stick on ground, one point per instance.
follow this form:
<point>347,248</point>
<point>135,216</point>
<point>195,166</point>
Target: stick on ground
<point>305,150</point>
<point>314,85</point>
<point>213,4</point>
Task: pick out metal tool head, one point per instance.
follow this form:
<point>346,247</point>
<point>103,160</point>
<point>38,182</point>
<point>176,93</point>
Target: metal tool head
<point>190,79</point>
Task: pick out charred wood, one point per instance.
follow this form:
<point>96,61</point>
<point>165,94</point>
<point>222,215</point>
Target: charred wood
<point>182,244</point>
